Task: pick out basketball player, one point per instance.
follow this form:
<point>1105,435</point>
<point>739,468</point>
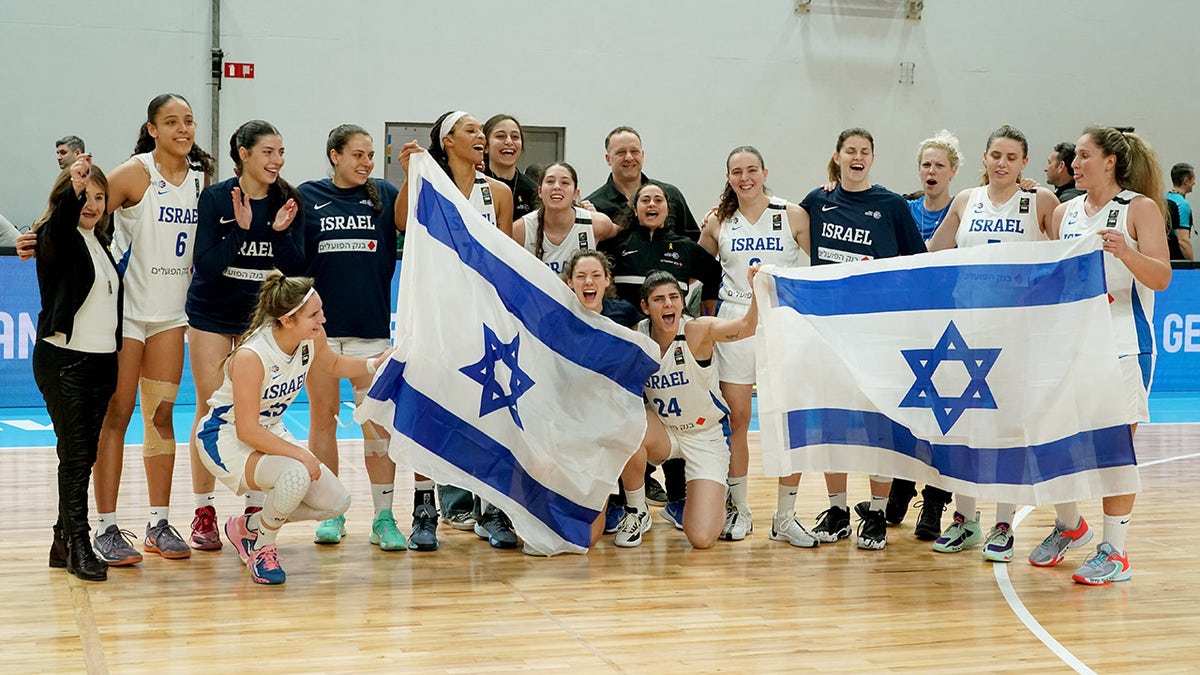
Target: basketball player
<point>505,143</point>
<point>245,443</point>
<point>997,211</point>
<point>747,227</point>
<point>153,196</point>
<point>350,241</point>
<point>937,163</point>
<point>558,227</point>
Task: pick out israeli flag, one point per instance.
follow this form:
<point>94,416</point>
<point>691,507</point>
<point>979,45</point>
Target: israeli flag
<point>501,382</point>
<point>990,371</point>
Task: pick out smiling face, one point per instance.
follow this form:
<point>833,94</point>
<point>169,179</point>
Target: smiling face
<point>651,207</point>
<point>504,145</point>
<point>352,166</point>
<point>558,189</point>
<point>746,175</point>
<point>664,305</point>
<point>590,282</point>
<point>263,161</point>
<point>307,321</point>
<point>936,172</point>
<point>466,140</point>
<point>94,205</point>
<point>1004,161</point>
<point>854,160</point>
<point>173,128</point>
<point>624,156</point>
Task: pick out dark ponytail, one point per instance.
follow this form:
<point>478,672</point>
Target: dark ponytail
<point>338,137</point>
<point>247,136</point>
<point>197,158</point>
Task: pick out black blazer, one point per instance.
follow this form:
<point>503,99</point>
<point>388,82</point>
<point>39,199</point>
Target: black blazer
<point>64,269</point>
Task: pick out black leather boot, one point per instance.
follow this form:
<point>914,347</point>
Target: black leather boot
<point>82,560</point>
<point>58,549</point>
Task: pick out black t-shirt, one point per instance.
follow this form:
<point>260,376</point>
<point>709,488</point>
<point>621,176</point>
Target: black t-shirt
<point>524,192</point>
<point>642,251</point>
<point>849,226</point>
<point>611,202</point>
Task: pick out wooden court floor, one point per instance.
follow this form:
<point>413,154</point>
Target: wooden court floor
<point>747,607</point>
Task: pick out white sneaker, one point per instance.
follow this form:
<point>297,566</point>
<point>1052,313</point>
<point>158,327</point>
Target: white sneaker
<point>738,523</point>
<point>785,527</point>
<point>629,531</point>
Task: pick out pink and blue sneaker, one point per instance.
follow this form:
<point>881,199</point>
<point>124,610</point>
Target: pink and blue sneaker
<point>264,566</point>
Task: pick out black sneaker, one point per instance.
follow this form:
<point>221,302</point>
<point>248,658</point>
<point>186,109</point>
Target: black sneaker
<point>872,530</point>
<point>495,526</point>
<point>655,494</point>
<point>933,504</point>
<point>902,493</point>
<point>424,532</point>
<point>832,524</point>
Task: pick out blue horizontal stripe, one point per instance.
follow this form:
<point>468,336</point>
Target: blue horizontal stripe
<point>983,286</point>
<point>452,438</point>
<point>1029,465</point>
<point>208,434</point>
<point>555,326</point>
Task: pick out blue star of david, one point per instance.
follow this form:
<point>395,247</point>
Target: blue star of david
<point>483,371</point>
<point>924,362</point>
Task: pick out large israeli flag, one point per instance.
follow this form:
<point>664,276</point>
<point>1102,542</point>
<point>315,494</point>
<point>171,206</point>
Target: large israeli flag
<point>501,382</point>
<point>990,371</point>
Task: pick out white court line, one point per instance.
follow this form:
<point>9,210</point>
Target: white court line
<point>1018,607</point>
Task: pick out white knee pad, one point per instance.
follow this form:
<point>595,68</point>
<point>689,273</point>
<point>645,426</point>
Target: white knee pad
<point>286,483</point>
<point>154,393</point>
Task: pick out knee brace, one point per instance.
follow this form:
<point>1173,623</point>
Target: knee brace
<point>154,393</point>
<point>375,444</point>
<point>286,484</point>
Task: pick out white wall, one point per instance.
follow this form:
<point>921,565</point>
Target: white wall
<point>696,77</point>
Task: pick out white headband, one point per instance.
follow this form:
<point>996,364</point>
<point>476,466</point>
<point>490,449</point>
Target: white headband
<point>448,124</point>
<point>307,295</point>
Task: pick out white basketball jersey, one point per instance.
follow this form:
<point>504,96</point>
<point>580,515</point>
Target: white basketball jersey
<point>481,198</point>
<point>580,237</point>
<point>153,244</point>
<point>684,394</point>
<point>1132,304</point>
<point>985,223</point>
<point>741,243</point>
<point>283,379</point>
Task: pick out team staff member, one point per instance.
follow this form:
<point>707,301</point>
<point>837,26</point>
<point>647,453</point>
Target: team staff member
<point>1181,223</point>
<point>154,196</point>
<point>855,221</point>
<point>75,356</point>
<point>245,229</point>
<point>505,143</point>
<point>623,154</point>
<point>350,241</point>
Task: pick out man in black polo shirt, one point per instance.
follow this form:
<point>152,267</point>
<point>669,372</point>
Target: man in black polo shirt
<point>1058,172</point>
<point>623,153</point>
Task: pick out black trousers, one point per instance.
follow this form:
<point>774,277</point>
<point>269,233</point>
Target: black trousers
<point>76,387</point>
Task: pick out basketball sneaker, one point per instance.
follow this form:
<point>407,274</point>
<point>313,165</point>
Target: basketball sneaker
<point>673,514</point>
<point>633,525</point>
<point>832,524</point>
<point>494,525</point>
<point>1056,544</point>
<point>241,536</point>
<point>872,531</point>
<point>902,493</point>
<point>264,566</point>
<point>785,527</point>
<point>737,523</point>
<point>463,520</point>
<point>1104,567</point>
<point>999,546</point>
<point>612,517</point>
<point>961,534</point>
<point>330,531</point>
<point>205,535</point>
<point>929,521</point>
<point>384,533</point>
<point>655,494</point>
<point>424,529</point>
<point>164,540</point>
<point>115,547</point>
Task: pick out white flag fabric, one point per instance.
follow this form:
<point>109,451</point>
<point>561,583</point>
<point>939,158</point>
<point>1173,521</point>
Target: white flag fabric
<point>501,382</point>
<point>989,371</point>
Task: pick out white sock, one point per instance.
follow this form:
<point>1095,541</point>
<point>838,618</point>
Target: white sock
<point>839,500</point>
<point>878,503</point>
<point>159,513</point>
<point>966,506</point>
<point>266,537</point>
<point>1068,513</point>
<point>738,487</point>
<point>785,500</point>
<point>1005,513</point>
<point>205,499</point>
<point>381,496</point>
<point>103,520</point>
<point>254,522</point>
<point>255,499</point>
<point>1115,528</point>
<point>636,499</point>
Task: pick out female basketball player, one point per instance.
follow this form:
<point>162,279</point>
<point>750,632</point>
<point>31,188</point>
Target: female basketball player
<point>937,163</point>
<point>350,239</point>
<point>558,227</point>
<point>245,444</point>
<point>748,226</point>
<point>505,143</point>
<point>75,356</point>
<point>1124,207</point>
<point>997,211</point>
<point>244,229</point>
<point>153,197</point>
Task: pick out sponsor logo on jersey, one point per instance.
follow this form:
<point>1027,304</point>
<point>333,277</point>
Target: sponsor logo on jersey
<point>243,274</point>
<point>1023,207</point>
<point>834,255</point>
<point>226,221</point>
<point>347,245</point>
<point>487,195</point>
<point>979,207</point>
<point>583,241</point>
<point>828,207</point>
<point>678,360</point>
<point>1014,225</point>
<point>873,214</point>
<point>756,244</point>
<point>170,271</point>
<point>318,207</point>
<point>304,355</point>
<point>366,202</point>
<point>777,221</point>
<point>175,214</point>
<point>1112,217</point>
<point>854,235</point>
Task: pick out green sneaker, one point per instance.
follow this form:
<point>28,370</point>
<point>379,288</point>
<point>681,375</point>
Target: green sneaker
<point>384,533</point>
<point>331,531</point>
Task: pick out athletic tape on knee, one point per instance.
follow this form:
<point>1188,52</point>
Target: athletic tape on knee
<point>154,393</point>
<point>286,484</point>
<point>375,444</point>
